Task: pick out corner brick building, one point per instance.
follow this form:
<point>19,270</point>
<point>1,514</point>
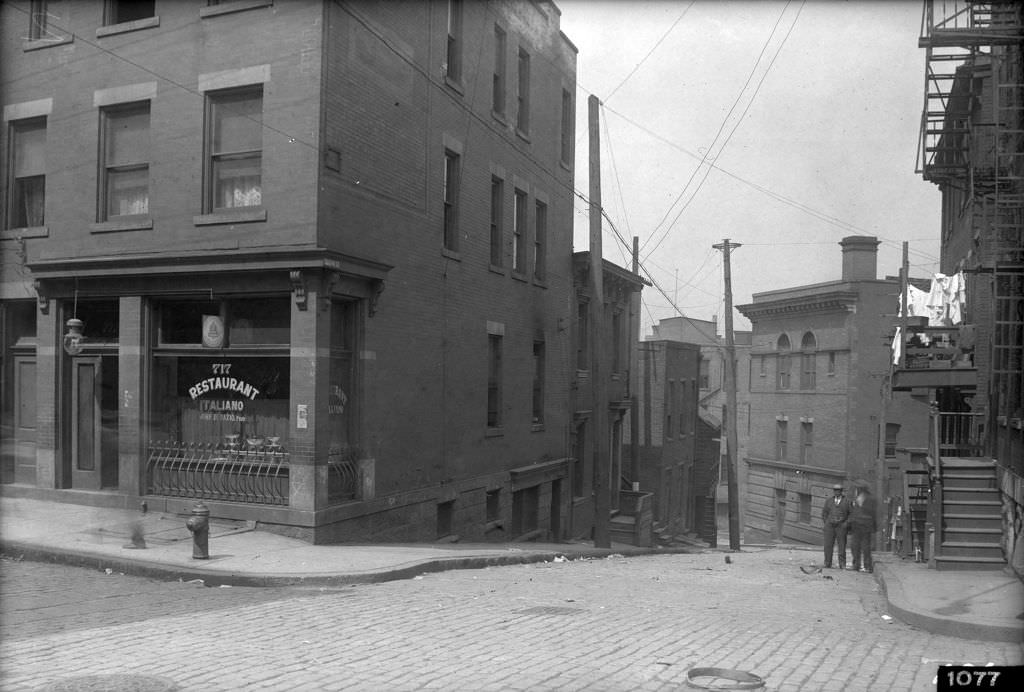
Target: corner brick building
<point>820,412</point>
<point>321,256</point>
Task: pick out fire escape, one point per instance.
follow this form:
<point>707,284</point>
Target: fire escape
<point>972,147</point>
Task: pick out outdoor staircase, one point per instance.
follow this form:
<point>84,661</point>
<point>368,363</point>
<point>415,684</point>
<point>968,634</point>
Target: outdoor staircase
<point>971,516</point>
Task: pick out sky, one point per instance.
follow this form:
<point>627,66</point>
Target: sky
<point>782,126</point>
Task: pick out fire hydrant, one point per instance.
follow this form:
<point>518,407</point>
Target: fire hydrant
<point>199,525</point>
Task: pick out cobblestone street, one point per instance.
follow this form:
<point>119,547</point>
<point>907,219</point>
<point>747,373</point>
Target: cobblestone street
<point>610,624</point>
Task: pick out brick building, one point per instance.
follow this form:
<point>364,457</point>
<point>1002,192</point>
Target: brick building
<point>709,493</point>
<point>668,429</point>
<point>972,135</point>
<point>819,406</point>
<point>221,193</point>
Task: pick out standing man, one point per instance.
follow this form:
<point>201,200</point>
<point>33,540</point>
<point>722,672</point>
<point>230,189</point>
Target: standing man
<point>863,524</point>
<point>835,516</point>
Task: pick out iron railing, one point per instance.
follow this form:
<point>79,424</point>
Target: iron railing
<point>343,483</point>
<point>258,474</point>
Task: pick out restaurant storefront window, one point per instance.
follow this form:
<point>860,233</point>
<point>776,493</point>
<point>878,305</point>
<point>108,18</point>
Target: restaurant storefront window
<point>220,399</point>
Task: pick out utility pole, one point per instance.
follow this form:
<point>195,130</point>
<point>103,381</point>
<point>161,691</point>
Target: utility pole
<point>598,381</point>
<point>634,376</point>
<point>732,443</point>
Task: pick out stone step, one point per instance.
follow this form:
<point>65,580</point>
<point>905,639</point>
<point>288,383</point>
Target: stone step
<point>971,507</point>
<point>958,493</point>
<point>970,480</point>
<point>943,562</point>
<point>970,549</point>
<point>968,520</point>
<point>972,535</point>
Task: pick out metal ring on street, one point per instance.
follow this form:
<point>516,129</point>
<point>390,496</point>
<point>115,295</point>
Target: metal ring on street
<point>723,679</point>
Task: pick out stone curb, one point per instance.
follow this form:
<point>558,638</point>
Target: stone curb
<point>900,607</point>
<point>143,568</point>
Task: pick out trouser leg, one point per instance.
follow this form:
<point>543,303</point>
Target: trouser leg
<point>830,542</point>
<point>869,563</point>
<point>841,544</point>
<point>855,548</point>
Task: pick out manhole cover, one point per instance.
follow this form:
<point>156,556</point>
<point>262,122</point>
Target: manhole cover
<point>112,683</point>
<point>551,610</point>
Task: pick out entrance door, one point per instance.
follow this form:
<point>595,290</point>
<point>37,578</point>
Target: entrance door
<point>93,444</point>
<point>780,513</point>
<point>24,420</point>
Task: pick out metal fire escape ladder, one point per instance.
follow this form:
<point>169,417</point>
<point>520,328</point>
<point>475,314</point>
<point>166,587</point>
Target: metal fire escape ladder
<point>1006,247</point>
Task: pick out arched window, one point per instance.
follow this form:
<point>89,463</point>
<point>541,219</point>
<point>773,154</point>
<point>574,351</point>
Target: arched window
<point>783,362</point>
<point>808,362</point>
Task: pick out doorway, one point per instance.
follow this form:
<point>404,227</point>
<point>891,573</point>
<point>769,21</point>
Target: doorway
<point>93,445</point>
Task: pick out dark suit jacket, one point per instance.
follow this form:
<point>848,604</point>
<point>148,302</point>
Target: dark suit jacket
<point>833,513</point>
<point>865,517</point>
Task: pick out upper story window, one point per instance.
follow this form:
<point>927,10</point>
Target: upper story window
<point>705,377</point>
<point>831,363</point>
<point>582,332</point>
<point>783,359</point>
<point>519,232</point>
<point>616,337</point>
<point>121,11</point>
<point>808,362</point>
<point>498,86</point>
<point>26,185</point>
<point>44,19</point>
<point>806,442</point>
<point>234,141</point>
<point>538,382</point>
<point>540,241</point>
<point>454,53</point>
<point>523,93</point>
<point>494,380</point>
<point>451,200</point>
<point>124,174</point>
<point>781,439</point>
<point>497,216</point>
<point>568,127</point>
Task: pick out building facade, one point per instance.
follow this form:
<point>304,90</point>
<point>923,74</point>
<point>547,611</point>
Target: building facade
<point>819,367</point>
<point>970,142</point>
<point>711,489</point>
<point>307,262</point>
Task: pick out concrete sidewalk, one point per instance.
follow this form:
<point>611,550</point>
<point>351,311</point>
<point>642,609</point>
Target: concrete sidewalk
<point>981,605</point>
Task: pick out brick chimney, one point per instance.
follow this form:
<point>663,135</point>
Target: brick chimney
<point>860,257</point>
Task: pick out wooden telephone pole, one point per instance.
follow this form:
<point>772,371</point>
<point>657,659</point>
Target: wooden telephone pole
<point>598,381</point>
<point>729,422</point>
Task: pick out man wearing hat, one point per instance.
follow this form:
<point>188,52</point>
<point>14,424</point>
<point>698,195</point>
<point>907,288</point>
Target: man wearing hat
<point>835,516</point>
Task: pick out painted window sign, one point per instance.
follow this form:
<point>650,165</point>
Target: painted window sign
<point>222,385</point>
<point>336,400</point>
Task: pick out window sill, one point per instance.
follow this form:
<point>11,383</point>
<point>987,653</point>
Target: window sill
<point>25,232</point>
<point>125,27</point>
<point>451,254</point>
<point>519,276</point>
<point>566,166</point>
<point>540,283</point>
<point>128,223</point>
<point>455,85</point>
<point>236,6</point>
<point>38,43</point>
<point>537,427</point>
<point>227,217</point>
<point>500,117</point>
<point>494,525</point>
<point>496,269</point>
<point>494,432</point>
<point>523,135</point>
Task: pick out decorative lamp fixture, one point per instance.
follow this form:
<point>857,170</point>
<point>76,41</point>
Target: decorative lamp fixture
<point>74,339</point>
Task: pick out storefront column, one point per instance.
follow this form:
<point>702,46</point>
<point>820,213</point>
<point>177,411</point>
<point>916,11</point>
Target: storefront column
<point>310,367</point>
<point>131,460</point>
<point>50,472</point>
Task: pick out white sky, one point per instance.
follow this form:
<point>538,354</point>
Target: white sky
<point>826,148</point>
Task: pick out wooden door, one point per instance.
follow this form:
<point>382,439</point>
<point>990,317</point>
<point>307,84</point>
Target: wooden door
<point>86,422</point>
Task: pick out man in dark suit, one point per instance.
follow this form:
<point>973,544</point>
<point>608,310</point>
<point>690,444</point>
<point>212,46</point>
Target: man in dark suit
<point>863,524</point>
<point>835,516</point>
